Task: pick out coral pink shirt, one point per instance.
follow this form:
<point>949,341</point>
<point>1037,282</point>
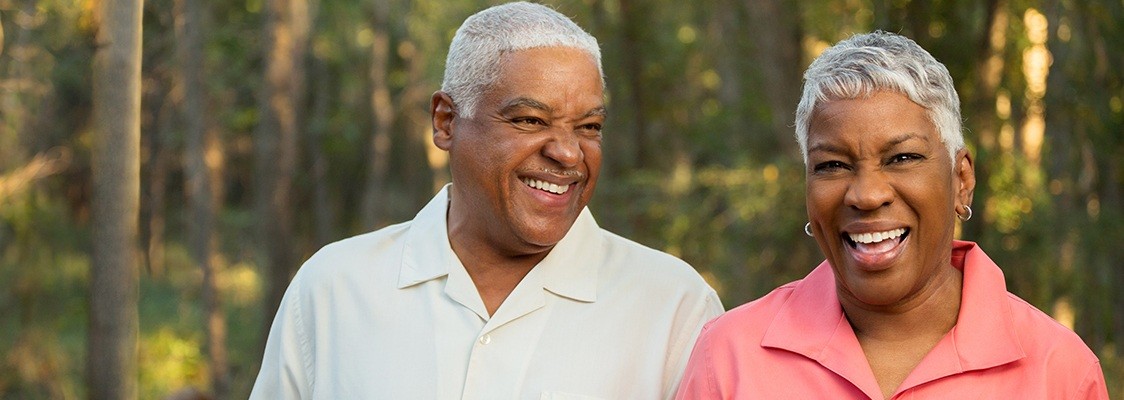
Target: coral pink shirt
<point>795,343</point>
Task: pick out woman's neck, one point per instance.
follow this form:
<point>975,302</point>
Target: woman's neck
<point>897,337</point>
<point>933,309</point>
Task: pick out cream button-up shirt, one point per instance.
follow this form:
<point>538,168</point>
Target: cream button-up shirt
<point>393,314</point>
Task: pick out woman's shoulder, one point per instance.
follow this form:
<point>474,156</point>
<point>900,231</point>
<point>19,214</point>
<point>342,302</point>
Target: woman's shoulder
<point>1042,337</point>
<point>750,319</point>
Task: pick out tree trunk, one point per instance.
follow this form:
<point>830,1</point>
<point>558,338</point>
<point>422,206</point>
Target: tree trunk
<point>775,24</point>
<point>1105,176</point>
<point>15,98</point>
<point>989,67</point>
<point>378,167</point>
<point>632,58</point>
<point>726,21</point>
<point>154,178</point>
<point>275,145</point>
<point>881,10</point>
<point>202,154</point>
<point>324,218</point>
<point>919,16</point>
<point>414,133</point>
<point>111,364</point>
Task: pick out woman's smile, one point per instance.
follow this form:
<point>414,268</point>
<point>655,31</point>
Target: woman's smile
<point>875,251</point>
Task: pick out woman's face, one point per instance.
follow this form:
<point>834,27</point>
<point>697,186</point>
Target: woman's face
<point>882,196</point>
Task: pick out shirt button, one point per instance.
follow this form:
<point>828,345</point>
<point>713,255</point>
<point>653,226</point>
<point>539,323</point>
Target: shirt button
<point>486,339</point>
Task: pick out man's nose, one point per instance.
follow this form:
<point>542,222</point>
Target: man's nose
<point>563,148</point>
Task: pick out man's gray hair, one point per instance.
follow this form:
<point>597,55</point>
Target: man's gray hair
<point>472,65</point>
<point>863,64</point>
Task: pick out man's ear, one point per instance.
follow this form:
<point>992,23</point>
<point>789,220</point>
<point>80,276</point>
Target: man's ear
<point>965,177</point>
<point>443,111</point>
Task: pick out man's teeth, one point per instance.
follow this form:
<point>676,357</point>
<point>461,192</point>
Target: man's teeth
<point>547,186</point>
<point>875,237</point>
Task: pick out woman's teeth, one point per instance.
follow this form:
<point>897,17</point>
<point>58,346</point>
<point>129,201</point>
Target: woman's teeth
<point>875,237</point>
<point>547,186</point>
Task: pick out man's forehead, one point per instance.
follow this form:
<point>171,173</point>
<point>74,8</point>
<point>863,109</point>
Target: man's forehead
<point>528,54</point>
<point>533,78</point>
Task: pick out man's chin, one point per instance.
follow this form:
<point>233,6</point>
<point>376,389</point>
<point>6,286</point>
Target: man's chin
<point>546,233</point>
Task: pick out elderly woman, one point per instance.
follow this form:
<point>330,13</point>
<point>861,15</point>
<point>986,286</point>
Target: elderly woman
<point>899,309</point>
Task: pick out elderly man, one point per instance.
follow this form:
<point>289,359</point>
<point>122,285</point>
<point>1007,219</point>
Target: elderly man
<point>503,286</point>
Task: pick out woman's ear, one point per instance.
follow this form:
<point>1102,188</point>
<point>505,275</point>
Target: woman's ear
<point>443,111</point>
<point>965,177</point>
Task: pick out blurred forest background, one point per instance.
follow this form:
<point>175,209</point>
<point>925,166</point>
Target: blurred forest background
<point>269,128</point>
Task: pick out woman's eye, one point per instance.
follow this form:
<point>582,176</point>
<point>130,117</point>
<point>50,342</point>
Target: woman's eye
<point>829,166</point>
<point>905,157</point>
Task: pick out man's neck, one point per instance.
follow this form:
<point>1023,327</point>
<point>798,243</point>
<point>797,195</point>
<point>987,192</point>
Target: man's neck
<point>495,271</point>
<point>496,262</point>
<point>496,282</point>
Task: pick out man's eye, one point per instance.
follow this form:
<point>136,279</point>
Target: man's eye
<point>590,128</point>
<point>528,121</point>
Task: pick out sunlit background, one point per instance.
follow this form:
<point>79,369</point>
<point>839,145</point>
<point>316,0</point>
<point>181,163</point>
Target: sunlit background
<point>699,155</point>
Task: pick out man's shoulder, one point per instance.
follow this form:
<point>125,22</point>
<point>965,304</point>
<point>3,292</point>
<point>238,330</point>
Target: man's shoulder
<point>360,254</point>
<point>634,260</point>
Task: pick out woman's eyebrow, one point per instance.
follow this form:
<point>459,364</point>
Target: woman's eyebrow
<point>825,147</point>
<point>905,137</point>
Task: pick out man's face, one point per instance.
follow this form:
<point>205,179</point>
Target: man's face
<point>525,164</point>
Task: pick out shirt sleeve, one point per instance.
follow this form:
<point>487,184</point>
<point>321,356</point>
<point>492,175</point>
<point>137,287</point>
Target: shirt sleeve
<point>1093,386</point>
<point>706,310</point>
<point>697,383</point>
<point>286,368</point>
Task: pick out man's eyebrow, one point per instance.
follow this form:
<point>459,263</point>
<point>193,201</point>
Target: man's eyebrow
<point>525,102</point>
<point>596,112</point>
<point>521,102</point>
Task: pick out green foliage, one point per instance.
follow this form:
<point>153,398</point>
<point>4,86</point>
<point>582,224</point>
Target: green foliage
<point>172,338</point>
<point>43,268</point>
<point>736,225</point>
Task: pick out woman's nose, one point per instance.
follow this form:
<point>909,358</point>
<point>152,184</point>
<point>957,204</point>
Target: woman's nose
<point>869,190</point>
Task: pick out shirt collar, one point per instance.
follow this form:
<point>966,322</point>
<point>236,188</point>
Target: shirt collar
<point>427,254</point>
<point>569,270</point>
<point>984,335</point>
<point>811,323</point>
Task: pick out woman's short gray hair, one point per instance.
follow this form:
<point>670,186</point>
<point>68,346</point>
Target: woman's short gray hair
<point>863,64</point>
<point>472,65</point>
